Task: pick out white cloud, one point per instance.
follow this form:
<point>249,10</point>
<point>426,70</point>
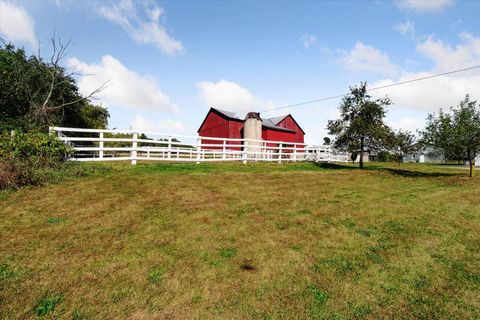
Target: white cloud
<point>407,123</point>
<point>231,96</point>
<point>155,13</point>
<point>406,28</point>
<point>431,94</point>
<point>448,57</point>
<point>364,58</point>
<point>141,123</point>
<point>16,24</point>
<point>148,31</point>
<point>307,40</point>
<point>444,91</point>
<point>126,88</point>
<point>424,6</point>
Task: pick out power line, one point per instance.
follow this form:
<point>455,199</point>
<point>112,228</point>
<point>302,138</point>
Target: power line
<point>375,88</point>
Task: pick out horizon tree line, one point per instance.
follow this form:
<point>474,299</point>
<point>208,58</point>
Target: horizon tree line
<point>361,128</point>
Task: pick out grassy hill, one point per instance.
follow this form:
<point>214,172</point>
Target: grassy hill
<point>256,241</point>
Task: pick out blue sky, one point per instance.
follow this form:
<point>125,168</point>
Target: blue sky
<point>167,62</point>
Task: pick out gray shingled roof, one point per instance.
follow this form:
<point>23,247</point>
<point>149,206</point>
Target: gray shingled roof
<point>228,113</point>
<point>276,120</point>
<point>269,122</point>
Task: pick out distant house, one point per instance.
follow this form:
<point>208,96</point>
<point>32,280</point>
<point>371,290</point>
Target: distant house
<point>426,155</point>
<point>368,156</point>
<point>477,161</point>
<point>225,124</point>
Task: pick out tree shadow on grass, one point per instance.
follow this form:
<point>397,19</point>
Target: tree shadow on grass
<point>393,171</point>
<point>411,173</point>
<point>336,166</point>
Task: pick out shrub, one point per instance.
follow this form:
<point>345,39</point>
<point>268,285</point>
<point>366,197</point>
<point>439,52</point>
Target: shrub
<point>24,157</point>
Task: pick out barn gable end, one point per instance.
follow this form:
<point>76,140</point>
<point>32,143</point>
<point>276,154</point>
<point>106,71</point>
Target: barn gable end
<point>290,123</point>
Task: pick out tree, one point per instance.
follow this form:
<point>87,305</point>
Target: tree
<point>361,125</point>
<point>439,132</point>
<point>35,94</point>
<point>327,141</point>
<point>466,139</point>
<point>402,143</point>
<point>456,132</point>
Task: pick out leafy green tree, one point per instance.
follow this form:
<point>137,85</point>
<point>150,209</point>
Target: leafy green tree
<point>456,132</point>
<point>439,133</point>
<point>360,126</point>
<point>35,94</point>
<point>85,115</point>
<point>327,141</point>
<point>402,143</point>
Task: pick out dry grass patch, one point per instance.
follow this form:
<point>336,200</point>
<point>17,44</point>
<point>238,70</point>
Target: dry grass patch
<point>233,241</point>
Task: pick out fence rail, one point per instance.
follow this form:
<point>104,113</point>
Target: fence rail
<point>118,145</point>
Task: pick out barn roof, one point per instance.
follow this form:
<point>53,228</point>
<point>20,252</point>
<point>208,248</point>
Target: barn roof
<point>228,114</point>
<point>271,124</point>
<point>274,121</point>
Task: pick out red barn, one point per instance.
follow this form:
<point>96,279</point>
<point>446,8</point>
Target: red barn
<point>224,124</point>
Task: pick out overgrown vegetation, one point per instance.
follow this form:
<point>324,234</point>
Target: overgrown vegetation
<point>255,241</point>
<point>36,158</point>
<point>25,157</point>
<point>34,94</point>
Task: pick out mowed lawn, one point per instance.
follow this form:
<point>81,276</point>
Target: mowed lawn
<point>233,241</point>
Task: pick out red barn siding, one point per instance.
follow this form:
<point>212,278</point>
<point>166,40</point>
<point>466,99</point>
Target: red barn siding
<point>217,126</point>
<point>278,135</point>
<point>289,123</point>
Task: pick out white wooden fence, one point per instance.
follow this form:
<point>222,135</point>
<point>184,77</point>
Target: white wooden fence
<point>111,145</point>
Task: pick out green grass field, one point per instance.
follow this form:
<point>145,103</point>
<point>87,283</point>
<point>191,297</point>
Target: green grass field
<point>233,241</point>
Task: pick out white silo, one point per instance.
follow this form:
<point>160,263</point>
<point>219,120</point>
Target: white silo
<point>252,129</point>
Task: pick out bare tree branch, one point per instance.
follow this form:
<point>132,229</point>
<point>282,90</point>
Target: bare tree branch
<point>58,78</point>
<point>92,94</point>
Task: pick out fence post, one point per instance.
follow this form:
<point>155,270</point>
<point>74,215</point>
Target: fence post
<point>280,151</point>
<point>169,154</point>
<point>224,156</point>
<point>245,152</point>
<point>199,149</point>
<point>134,149</point>
<point>100,145</point>
<point>294,152</point>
